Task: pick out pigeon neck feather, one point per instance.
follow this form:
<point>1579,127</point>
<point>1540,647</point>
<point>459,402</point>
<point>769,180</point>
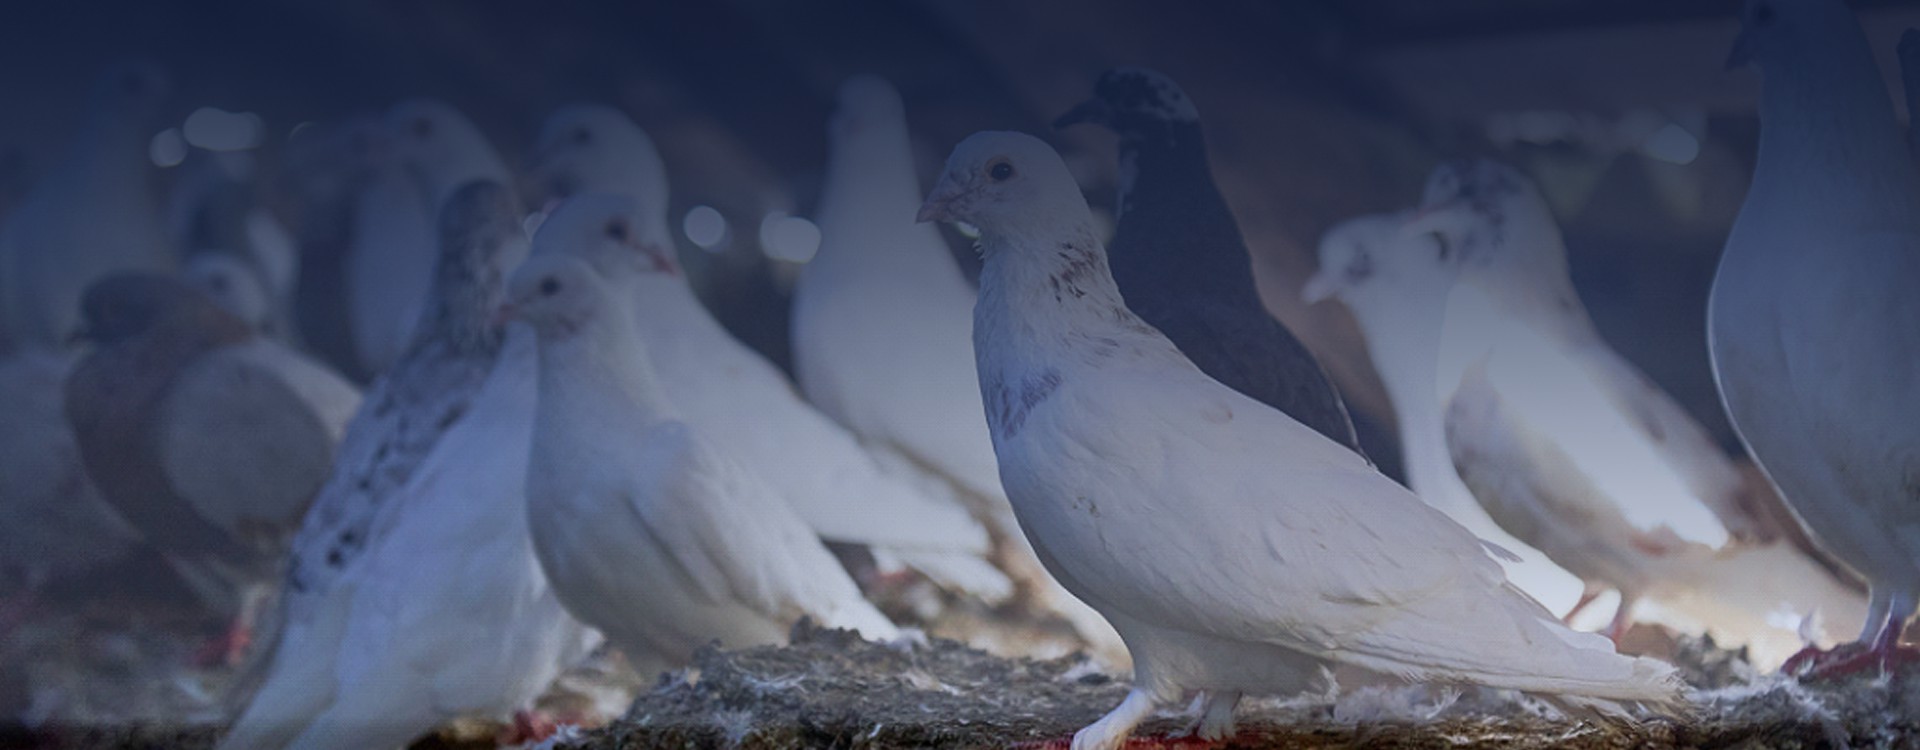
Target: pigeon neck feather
<point>1176,235</point>
<point>599,369</point>
<point>1050,292</point>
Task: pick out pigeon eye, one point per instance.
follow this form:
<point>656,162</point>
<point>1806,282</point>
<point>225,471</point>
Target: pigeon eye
<point>617,230</point>
<point>582,137</point>
<point>1763,15</point>
<point>549,286</point>
<point>1000,171</point>
<point>422,127</point>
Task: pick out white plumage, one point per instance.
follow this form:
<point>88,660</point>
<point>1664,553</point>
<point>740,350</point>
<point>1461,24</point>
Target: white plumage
<point>92,215</point>
<point>413,596</point>
<point>1402,321</point>
<point>1233,548</point>
<point>882,331</point>
<point>1565,443</point>
<point>389,263</point>
<point>649,531</point>
<point>1813,322</point>
<point>730,393</point>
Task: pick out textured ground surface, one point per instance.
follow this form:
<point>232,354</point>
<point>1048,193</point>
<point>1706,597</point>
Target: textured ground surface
<point>830,690</point>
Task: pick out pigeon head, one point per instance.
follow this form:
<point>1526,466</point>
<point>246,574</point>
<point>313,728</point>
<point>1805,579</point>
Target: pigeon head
<point>481,240</point>
<point>234,284</point>
<point>1790,33</point>
<point>593,147</point>
<point>126,305</point>
<point>606,230</point>
<point>558,295</point>
<point>1137,103</point>
<point>866,103</point>
<point>440,147</point>
<point>1485,211</point>
<point>1006,183</point>
<point>1372,259</point>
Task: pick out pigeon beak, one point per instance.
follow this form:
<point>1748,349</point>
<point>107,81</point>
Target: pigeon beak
<point>1319,288</point>
<point>941,203</point>
<point>1742,53</point>
<point>1094,111</point>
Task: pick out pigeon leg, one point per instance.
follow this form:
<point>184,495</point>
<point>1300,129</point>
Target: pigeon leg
<point>1884,653</point>
<point>1586,598</point>
<point>229,648</point>
<point>528,727</point>
<point>1110,732</point>
<point>1622,618</point>
<point>1216,723</point>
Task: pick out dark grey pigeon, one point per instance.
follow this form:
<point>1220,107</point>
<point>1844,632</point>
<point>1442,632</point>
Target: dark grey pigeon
<point>427,391</point>
<point>1181,263</point>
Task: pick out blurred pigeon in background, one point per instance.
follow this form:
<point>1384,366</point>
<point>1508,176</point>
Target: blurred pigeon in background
<point>1400,308</point>
<point>1570,447</point>
<point>57,525</point>
<point>235,251</point>
<point>389,265</point>
<point>1234,548</point>
<point>414,596</point>
<point>209,440</point>
<point>1181,262</point>
<point>1812,319</point>
<point>731,394</point>
<point>649,531</point>
<point>95,213</point>
<point>882,328</point>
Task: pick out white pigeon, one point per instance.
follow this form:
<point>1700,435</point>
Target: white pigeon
<point>1401,315</point>
<point>1236,550</point>
<point>389,264</point>
<point>236,251</point>
<point>414,596</point>
<point>208,439</point>
<point>729,392</point>
<point>1535,423</point>
<point>57,525</point>
<point>650,532</point>
<point>93,214</point>
<point>1813,321</point>
<point>883,326</point>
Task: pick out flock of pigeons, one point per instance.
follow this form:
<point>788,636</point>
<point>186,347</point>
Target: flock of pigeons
<point>562,444</point>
